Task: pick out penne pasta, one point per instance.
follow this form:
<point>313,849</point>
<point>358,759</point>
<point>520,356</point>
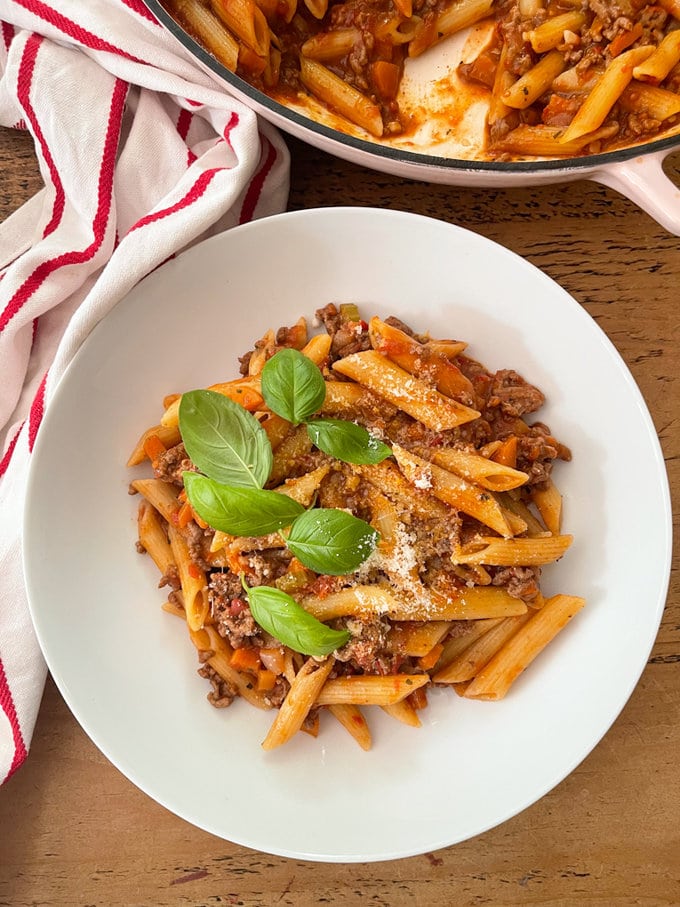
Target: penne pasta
<point>412,395</point>
<point>341,96</point>
<point>494,681</point>
<point>302,696</point>
<point>606,92</point>
<point>513,552</point>
<point>370,689</point>
<point>453,490</point>
<point>352,719</point>
<point>402,564</point>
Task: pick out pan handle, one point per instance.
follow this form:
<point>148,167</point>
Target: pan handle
<point>642,179</point>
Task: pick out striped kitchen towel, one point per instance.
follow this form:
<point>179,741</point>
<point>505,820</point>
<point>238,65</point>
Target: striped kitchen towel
<point>142,154</point>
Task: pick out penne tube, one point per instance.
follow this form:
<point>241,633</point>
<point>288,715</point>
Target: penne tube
<point>168,435</point>
<point>245,391</point>
<point>529,87</point>
<point>481,470</point>
<point>370,689</point>
<point>325,47</point>
<point>455,645</point>
<point>209,30</point>
<point>416,641</point>
<point>494,680</point>
<point>659,64</point>
<point>550,33</point>
<point>453,18</point>
<point>471,603</point>
<point>246,21</point>
<point>159,494</point>
<point>414,396</point>
<point>658,103</point>
<point>388,479</point>
<point>546,141</point>
<point>296,444</point>
<point>513,552</point>
<point>276,428</point>
<point>301,697</point>
<point>153,538</point>
<point>404,712</point>
<point>468,662</point>
<point>453,490</point>
<point>605,93</point>
<point>534,527</point>
<point>341,96</point>
<point>449,348</point>
<point>417,359</point>
<point>548,501</point>
<point>477,655</point>
<point>317,349</point>
<point>352,719</point>
<point>192,579</point>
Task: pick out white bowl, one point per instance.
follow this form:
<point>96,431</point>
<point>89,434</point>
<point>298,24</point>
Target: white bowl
<point>127,669</point>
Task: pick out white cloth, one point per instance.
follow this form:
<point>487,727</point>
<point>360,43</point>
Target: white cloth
<point>142,154</point>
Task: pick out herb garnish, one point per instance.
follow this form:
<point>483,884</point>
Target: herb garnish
<point>234,457</point>
<point>279,614</point>
<point>293,388</point>
<point>223,440</point>
<point>240,511</point>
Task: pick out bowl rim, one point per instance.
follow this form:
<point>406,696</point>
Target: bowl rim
<point>410,159</point>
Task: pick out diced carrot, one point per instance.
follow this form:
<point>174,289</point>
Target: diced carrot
<point>245,659</point>
<point>154,447</point>
<point>184,514</point>
<point>506,454</point>
<point>385,78</point>
<point>624,39</point>
<point>430,660</point>
<point>194,571</point>
<point>266,680</point>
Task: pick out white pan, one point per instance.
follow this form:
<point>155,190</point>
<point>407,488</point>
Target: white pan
<point>438,153</point>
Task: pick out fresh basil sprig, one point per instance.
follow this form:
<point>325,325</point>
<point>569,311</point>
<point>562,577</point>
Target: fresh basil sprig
<point>224,440</point>
<point>331,541</point>
<point>279,614</point>
<point>292,385</point>
<point>240,511</point>
<point>347,441</point>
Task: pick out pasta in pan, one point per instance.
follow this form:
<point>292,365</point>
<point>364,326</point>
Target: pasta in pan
<point>562,77</point>
<point>363,515</point>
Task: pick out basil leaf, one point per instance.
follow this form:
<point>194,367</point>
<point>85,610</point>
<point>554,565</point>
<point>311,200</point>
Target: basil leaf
<point>224,440</point>
<point>292,385</point>
<point>347,441</point>
<point>279,614</point>
<point>331,541</point>
<point>239,511</point>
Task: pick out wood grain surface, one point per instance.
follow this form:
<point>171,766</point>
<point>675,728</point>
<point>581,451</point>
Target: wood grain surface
<point>74,831</point>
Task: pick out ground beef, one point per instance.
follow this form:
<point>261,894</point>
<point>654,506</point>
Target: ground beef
<point>222,693</point>
<point>170,465</point>
<point>367,650</point>
<point>520,582</point>
<point>510,393</point>
<point>346,336</point>
<point>231,613</point>
<point>198,541</point>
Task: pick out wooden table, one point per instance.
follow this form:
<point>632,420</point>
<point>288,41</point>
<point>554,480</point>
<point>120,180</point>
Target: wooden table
<point>74,831</point>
